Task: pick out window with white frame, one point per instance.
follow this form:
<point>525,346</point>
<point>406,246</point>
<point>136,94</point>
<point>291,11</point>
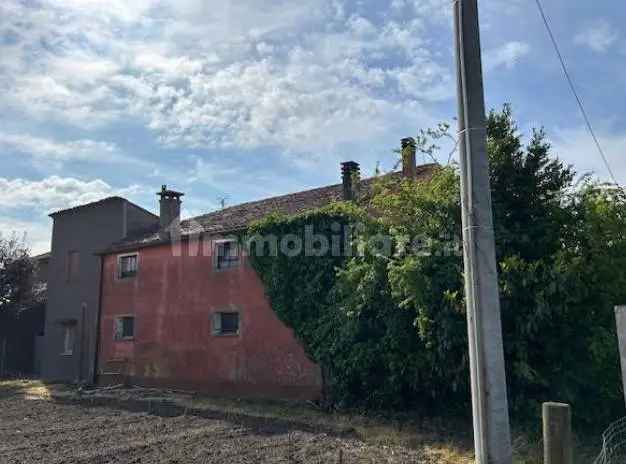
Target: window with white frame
<point>124,328</point>
<point>227,254</point>
<point>127,265</point>
<point>68,340</point>
<point>226,323</point>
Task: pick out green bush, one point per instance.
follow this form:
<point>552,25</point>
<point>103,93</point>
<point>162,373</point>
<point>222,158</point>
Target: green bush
<point>390,330</point>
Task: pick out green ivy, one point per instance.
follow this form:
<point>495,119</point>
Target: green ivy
<point>390,331</point>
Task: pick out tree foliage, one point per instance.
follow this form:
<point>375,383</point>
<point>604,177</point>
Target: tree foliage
<point>16,273</point>
<point>390,330</point>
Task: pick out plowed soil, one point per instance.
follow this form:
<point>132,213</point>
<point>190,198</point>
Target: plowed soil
<point>40,430</point>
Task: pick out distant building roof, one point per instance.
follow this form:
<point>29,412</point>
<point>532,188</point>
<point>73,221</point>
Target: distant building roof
<point>42,256</point>
<point>239,217</point>
<point>97,203</point>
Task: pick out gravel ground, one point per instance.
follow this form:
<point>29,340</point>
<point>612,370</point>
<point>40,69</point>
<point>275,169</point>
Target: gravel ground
<point>40,430</point>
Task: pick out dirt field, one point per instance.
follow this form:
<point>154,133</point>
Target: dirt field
<point>33,429</point>
<point>55,423</point>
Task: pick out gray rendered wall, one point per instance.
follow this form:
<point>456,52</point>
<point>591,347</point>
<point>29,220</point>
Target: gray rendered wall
<point>87,230</point>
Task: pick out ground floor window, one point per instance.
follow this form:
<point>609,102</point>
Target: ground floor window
<point>226,323</point>
<point>68,340</point>
<point>124,328</point>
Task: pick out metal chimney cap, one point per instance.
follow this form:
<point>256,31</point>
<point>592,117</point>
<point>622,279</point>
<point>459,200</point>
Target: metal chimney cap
<point>169,193</point>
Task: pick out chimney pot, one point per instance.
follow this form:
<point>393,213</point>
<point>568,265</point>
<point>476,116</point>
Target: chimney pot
<point>408,157</point>
<point>350,177</point>
<point>169,202</point>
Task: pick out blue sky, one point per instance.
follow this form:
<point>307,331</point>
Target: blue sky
<point>248,99</point>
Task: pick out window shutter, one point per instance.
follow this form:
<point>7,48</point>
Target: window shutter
<point>119,328</point>
<point>217,323</point>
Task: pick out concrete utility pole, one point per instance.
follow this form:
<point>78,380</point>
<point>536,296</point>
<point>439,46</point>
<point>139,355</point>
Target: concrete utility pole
<point>620,320</point>
<point>492,440</point>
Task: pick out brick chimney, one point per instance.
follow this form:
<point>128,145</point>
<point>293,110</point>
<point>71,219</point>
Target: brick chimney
<point>408,157</point>
<point>169,217</point>
<point>350,176</point>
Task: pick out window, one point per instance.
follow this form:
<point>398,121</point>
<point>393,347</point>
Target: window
<point>72,266</point>
<point>227,255</point>
<point>127,266</point>
<point>226,324</point>
<point>68,340</point>
<point>124,328</point>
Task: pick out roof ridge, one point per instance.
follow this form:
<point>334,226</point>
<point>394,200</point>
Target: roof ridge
<point>98,202</point>
<point>276,197</point>
<point>85,205</point>
<point>285,195</point>
<point>240,216</point>
<point>44,255</point>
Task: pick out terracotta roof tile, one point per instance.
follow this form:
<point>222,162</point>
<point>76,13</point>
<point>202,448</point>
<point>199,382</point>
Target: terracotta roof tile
<point>238,217</point>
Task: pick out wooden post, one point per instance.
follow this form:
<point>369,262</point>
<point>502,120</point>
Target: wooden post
<point>620,320</point>
<point>557,433</point>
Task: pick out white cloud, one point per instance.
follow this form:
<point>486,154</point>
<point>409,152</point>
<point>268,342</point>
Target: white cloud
<point>289,75</point>
<point>42,148</point>
<point>250,183</point>
<point>118,9</point>
<point>261,103</point>
<point>315,95</point>
<point>36,232</point>
<point>575,146</point>
<point>598,36</point>
<point>507,55</point>
<point>434,9</point>
<point>54,193</point>
<point>361,26</point>
<point>264,48</point>
<point>25,204</point>
<point>48,154</point>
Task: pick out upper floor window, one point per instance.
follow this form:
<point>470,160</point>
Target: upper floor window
<point>72,266</point>
<point>127,265</point>
<point>124,328</point>
<point>227,254</point>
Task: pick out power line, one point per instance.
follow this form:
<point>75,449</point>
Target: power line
<point>573,89</point>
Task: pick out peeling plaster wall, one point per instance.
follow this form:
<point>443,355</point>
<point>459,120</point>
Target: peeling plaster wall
<point>173,299</point>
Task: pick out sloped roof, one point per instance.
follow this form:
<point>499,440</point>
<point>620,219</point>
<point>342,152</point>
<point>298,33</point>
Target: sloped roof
<point>42,256</point>
<point>87,205</point>
<point>238,217</point>
<point>97,203</point>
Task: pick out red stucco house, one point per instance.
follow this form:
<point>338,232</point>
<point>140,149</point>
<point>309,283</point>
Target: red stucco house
<point>180,321</point>
<point>181,307</point>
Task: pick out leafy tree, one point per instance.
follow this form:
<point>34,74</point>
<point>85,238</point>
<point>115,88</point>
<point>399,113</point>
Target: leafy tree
<point>390,329</point>
<point>528,189</point>
<point>16,277</point>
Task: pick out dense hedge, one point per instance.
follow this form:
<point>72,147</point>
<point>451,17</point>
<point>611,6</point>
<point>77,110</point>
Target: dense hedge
<point>390,330</point>
<point>348,311</point>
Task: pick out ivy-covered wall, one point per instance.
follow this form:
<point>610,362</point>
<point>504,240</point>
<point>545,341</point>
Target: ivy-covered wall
<point>387,321</point>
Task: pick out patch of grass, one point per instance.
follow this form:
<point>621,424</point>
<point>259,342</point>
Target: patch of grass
<point>31,389</point>
<point>445,440</point>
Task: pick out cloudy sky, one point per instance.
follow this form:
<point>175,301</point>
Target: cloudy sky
<point>249,98</point>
